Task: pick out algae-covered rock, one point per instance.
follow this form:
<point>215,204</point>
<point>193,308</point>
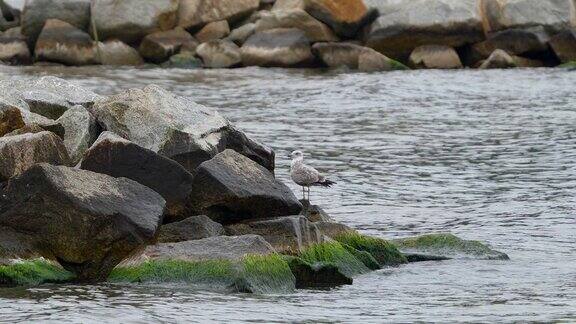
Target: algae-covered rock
<point>336,254</point>
<point>447,246</point>
<point>383,251</point>
<point>317,275</point>
<point>32,272</point>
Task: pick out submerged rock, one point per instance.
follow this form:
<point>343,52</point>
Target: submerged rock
<point>63,43</point>
<point>281,47</point>
<point>194,13</point>
<point>81,131</point>
<point>186,60</point>
<point>219,54</point>
<point>435,57</point>
<point>189,229</point>
<point>318,275</point>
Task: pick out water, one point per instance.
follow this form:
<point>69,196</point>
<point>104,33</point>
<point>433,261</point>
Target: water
<point>487,155</point>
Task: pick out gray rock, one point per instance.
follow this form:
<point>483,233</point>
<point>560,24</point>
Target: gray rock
<point>212,31</point>
<point>175,127</point>
<point>435,57</point>
<point>219,54</point>
<point>337,55</point>
<point>499,59</point>
<point>195,13</point>
<point>19,153</point>
<point>115,52</point>
<point>346,18</point>
<point>86,221</point>
<point>44,103</point>
<point>158,47</point>
<point>519,41</point>
<point>30,128</point>
<point>189,229</point>
<point>288,5</point>
<point>314,213</point>
<point>10,119</point>
<point>241,34</point>
<point>331,229</point>
<point>371,61</point>
<point>319,275</point>
<point>61,42</point>
<point>13,47</point>
<point>32,119</point>
<point>230,187</point>
<point>282,47</point>
<point>564,46</point>
<point>81,131</point>
<point>9,16</point>
<point>186,60</point>
<point>297,18</point>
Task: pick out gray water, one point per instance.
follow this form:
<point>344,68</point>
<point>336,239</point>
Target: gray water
<point>486,155</point>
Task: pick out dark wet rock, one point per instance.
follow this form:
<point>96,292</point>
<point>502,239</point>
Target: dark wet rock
<point>331,229</point>
<point>175,127</point>
<point>447,246</point>
<point>297,18</point>
<point>44,103</point>
<point>282,47</point>
<point>231,188</point>
<point>10,119</point>
<point>219,54</point>
<point>115,52</point>
<point>435,57</point>
<point>19,153</point>
<point>86,221</point>
<point>63,43</point>
<point>189,229</point>
<point>184,60</point>
<point>121,20</point>
<point>160,46</point>
<point>195,13</point>
<point>241,34</point>
<point>81,131</point>
<point>9,16</point>
<point>520,41</point>
<point>212,31</point>
<point>564,46</point>
<point>314,213</point>
<point>118,157</point>
<point>318,275</point>
<point>346,18</point>
<point>13,47</point>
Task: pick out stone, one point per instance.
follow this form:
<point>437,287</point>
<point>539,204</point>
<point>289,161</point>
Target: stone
<point>30,128</point>
<point>520,41</point>
<point>435,57</point>
<point>564,45</point>
<point>331,229</point>
<point>81,131</point>
<point>13,47</point>
<point>314,213</point>
<point>44,103</point>
<point>10,119</point>
<point>196,13</point>
<point>280,5</point>
<point>405,25</point>
<point>371,61</point>
<point>37,12</point>
<point>115,52</point>
<point>300,19</point>
<point>189,229</point>
<point>186,60</point>
<point>86,221</point>
<point>158,47</point>
<point>231,187</point>
<point>337,55</point>
<point>241,34</point>
<point>318,275</point>
<point>523,62</point>
<point>31,119</point>
<point>9,16</point>
<point>346,18</point>
<point>118,157</point>
<point>20,153</point>
<point>499,59</point>
<point>63,43</point>
<point>175,127</point>
<point>282,47</point>
<point>131,20</point>
<point>212,31</point>
<point>219,54</point>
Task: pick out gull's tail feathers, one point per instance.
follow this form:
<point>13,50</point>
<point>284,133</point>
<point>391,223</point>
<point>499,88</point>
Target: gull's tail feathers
<point>325,183</point>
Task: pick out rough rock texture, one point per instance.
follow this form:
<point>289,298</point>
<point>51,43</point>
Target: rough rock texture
<point>175,127</point>
<point>435,57</point>
<point>10,119</point>
<point>194,13</point>
<point>118,157</point>
<point>331,229</point>
<point>499,59</point>
<point>47,124</point>
<point>346,18</point>
<point>115,52</point>
<point>564,46</point>
<point>186,60</point>
<point>288,5</point>
<point>44,103</point>
<point>520,41</point>
<point>36,12</point>
<point>13,47</point>
<point>370,60</point>
<point>30,128</point>
<point>159,46</point>
<point>285,234</point>
<point>81,131</point>
<point>9,16</point>
<point>189,229</point>
<point>212,31</point>
<point>338,54</point>
<point>281,47</point>
<point>219,54</point>
<point>241,34</point>
<point>105,219</point>
<point>63,43</point>
<point>297,18</point>
<point>314,213</point>
<point>19,153</point>
<point>405,25</point>
<point>319,275</point>
<point>231,187</point>
<point>131,20</point>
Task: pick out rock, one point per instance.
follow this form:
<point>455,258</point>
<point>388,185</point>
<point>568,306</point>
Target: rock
<point>9,16</point>
<point>346,18</point>
<point>499,59</point>
<point>131,20</point>
<point>219,54</point>
<point>354,57</point>
<point>241,34</point>
<point>520,41</point>
<point>19,153</point>
<point>300,19</point>
<point>564,46</point>
<point>195,13</point>
<point>282,47</point>
<point>31,119</point>
<point>230,188</point>
<point>160,46</point>
<point>371,61</point>
<point>314,213</point>
<point>10,119</point>
<point>331,229</point>
<point>405,25</point>
<point>212,31</point>
<point>288,5</point>
<point>81,131</point>
<point>44,103</point>
<point>318,275</point>
<point>13,47</point>
<point>175,127</point>
<point>286,234</point>
<point>447,246</point>
<point>37,12</point>
<point>30,128</point>
<point>63,43</point>
<point>86,221</point>
<point>435,57</point>
<point>184,60</point>
<point>115,52</point>
<point>189,229</point>
<point>118,157</point>
<point>523,62</point>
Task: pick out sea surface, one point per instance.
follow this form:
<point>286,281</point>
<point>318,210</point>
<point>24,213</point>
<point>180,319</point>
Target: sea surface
<point>486,155</point>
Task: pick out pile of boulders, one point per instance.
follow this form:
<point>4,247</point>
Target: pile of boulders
<point>365,35</point>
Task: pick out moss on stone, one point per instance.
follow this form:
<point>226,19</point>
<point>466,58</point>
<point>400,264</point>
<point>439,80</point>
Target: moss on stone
<point>568,65</point>
<point>385,253</point>
<point>267,274</point>
<point>397,65</point>
<point>334,253</point>
<point>364,257</point>
<point>33,272</point>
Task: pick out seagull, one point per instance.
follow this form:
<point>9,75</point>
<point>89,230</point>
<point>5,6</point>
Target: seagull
<point>306,176</point>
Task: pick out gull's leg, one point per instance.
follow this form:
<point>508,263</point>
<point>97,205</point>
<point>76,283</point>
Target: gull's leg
<point>303,193</point>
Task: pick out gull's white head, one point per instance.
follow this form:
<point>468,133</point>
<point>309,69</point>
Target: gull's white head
<point>297,155</point>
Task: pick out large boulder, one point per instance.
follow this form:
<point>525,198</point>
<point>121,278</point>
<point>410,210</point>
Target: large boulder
<point>405,25</point>
<point>185,60</point>
<point>37,12</point>
<point>564,46</point>
<point>282,47</point>
<point>354,57</point>
<point>115,52</point>
<point>20,153</point>
<point>346,18</point>
<point>131,20</point>
<point>118,157</point>
<point>195,13</point>
<point>212,31</point>
<point>435,57</point>
<point>331,229</point>
<point>10,119</point>
<point>230,187</point>
<point>63,43</point>
<point>297,18</point>
<point>370,60</point>
<point>219,54</point>
<point>241,34</point>
<point>175,127</point>
<point>318,275</point>
<point>44,103</point>
<point>500,59</point>
<point>189,229</point>
<point>86,221</point>
<point>9,16</point>
<point>13,47</point>
<point>519,41</point>
<point>159,46</point>
<point>80,131</point>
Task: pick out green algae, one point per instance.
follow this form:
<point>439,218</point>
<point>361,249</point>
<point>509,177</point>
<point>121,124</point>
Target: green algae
<point>364,257</point>
<point>398,66</point>
<point>334,253</point>
<point>267,274</point>
<point>568,65</point>
<point>33,272</point>
<point>384,252</point>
